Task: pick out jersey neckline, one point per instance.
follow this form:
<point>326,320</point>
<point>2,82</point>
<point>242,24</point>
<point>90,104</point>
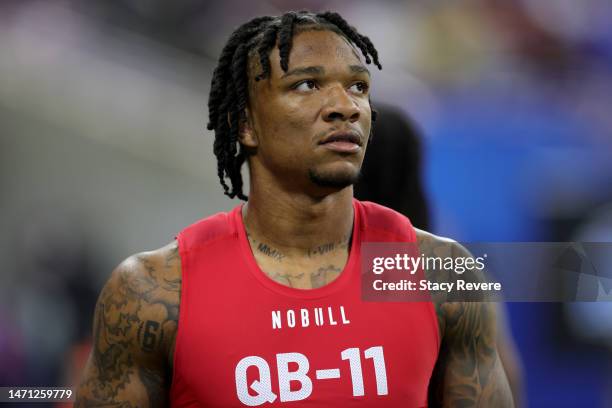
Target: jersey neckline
<point>349,271</point>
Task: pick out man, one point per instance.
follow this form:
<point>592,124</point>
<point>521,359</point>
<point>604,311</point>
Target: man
<point>261,306</point>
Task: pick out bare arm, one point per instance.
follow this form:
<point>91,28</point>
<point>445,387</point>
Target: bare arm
<point>469,372</point>
<point>509,356</point>
<point>134,327</point>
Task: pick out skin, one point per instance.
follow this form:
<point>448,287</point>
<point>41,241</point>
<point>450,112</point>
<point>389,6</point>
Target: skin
<point>134,331</point>
<point>299,232</point>
<point>469,371</point>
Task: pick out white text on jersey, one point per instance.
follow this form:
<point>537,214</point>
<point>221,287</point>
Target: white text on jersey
<point>318,316</point>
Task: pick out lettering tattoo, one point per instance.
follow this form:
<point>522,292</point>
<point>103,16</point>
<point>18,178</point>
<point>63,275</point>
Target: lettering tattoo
<point>316,279</point>
<point>329,247</point>
<point>148,338</point>
<point>134,329</point>
<point>265,249</point>
<point>317,250</point>
<point>271,252</point>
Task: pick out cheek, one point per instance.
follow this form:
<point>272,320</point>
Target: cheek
<point>285,131</point>
<point>365,107</point>
<point>297,116</point>
<point>291,119</point>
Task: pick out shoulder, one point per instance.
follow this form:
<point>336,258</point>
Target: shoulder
<point>448,308</point>
<point>468,367</point>
<point>134,328</point>
<point>140,302</point>
<point>372,209</point>
<point>439,246</point>
<point>384,220</point>
<point>151,273</point>
<point>160,263</point>
<point>209,229</point>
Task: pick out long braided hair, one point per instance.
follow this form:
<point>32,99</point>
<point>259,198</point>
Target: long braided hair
<point>229,89</point>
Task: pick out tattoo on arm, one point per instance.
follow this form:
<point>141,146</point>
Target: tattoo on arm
<point>470,371</point>
<point>148,337</point>
<point>135,321</point>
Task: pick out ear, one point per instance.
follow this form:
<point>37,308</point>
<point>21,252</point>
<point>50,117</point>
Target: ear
<point>246,134</point>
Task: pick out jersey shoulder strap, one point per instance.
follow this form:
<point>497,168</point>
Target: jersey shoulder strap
<point>207,230</point>
<point>383,224</point>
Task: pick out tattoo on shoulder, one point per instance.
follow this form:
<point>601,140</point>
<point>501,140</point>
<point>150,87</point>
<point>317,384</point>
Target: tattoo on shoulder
<point>135,321</point>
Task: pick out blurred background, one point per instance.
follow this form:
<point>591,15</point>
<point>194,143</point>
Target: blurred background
<point>104,153</point>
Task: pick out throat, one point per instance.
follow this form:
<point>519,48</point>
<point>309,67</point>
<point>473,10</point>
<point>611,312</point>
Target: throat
<point>297,226</point>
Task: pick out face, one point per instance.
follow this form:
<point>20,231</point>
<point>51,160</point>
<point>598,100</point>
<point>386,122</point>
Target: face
<point>308,127</point>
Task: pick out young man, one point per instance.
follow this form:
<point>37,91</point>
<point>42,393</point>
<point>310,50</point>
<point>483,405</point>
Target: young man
<point>261,306</point>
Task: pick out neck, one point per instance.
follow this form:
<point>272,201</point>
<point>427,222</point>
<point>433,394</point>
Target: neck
<point>298,223</point>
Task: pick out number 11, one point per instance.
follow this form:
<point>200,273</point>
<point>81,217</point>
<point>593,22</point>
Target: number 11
<point>380,371</point>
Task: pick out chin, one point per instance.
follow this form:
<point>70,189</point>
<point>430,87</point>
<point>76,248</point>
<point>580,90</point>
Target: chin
<point>333,179</point>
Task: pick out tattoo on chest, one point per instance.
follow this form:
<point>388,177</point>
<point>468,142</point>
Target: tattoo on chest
<point>287,278</point>
<point>317,279</point>
<point>324,275</point>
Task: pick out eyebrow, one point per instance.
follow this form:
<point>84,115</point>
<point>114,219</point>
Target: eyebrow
<point>359,68</point>
<point>319,70</point>
<point>314,70</point>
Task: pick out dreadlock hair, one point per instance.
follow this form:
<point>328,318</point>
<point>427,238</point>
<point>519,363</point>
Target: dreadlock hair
<point>229,88</point>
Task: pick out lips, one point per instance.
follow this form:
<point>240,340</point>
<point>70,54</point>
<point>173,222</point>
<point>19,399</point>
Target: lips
<point>345,137</point>
<point>342,142</point>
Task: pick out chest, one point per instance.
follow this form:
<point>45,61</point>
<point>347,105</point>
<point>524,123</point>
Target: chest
<point>338,351</point>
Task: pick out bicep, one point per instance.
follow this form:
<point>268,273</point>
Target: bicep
<point>120,386</point>
<point>469,372</point>
<point>119,372</point>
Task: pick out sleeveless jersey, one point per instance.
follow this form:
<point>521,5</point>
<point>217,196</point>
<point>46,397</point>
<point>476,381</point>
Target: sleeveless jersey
<point>246,340</point>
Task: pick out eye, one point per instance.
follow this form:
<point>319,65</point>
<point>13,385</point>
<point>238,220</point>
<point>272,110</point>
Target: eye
<point>360,88</point>
<point>305,86</point>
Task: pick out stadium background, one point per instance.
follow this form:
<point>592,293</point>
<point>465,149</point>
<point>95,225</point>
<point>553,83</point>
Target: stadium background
<point>103,152</point>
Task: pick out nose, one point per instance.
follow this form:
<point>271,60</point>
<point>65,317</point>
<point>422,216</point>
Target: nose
<point>340,106</point>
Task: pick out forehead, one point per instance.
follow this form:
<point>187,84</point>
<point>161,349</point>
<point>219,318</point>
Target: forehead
<point>320,46</point>
<point>311,47</point>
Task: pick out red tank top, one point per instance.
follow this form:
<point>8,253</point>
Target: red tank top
<point>246,340</point>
